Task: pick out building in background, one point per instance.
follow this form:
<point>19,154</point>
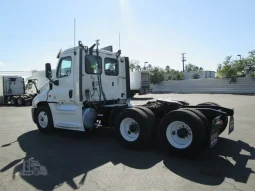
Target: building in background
<point>202,74</point>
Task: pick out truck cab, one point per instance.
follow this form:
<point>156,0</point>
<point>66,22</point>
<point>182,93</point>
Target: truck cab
<point>86,78</point>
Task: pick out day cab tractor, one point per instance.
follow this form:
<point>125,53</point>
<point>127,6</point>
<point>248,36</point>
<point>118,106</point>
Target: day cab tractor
<point>16,91</point>
<point>91,89</point>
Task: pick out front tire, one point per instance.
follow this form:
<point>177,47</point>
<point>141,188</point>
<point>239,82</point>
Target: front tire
<point>20,101</point>
<point>14,101</point>
<point>44,119</point>
<point>183,133</point>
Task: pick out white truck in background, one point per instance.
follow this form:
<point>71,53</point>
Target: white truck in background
<point>139,83</point>
<point>40,78</point>
<point>13,88</point>
<point>16,90</point>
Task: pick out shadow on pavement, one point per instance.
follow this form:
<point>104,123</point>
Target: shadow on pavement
<point>67,155</point>
<point>215,165</point>
<point>8,144</point>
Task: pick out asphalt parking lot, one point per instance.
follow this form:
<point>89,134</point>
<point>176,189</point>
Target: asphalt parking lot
<point>74,161</point>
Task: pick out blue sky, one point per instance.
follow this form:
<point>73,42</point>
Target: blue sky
<point>32,32</point>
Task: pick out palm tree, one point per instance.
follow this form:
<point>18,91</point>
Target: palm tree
<point>167,69</point>
<point>132,67</point>
<point>149,67</point>
<point>137,68</point>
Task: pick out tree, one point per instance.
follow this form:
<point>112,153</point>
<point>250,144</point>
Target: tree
<point>144,68</point>
<point>156,75</point>
<point>227,69</point>
<point>175,75</point>
<point>149,67</point>
<point>137,68</point>
<point>249,63</point>
<point>231,69</point>
<point>132,67</point>
<point>167,69</point>
<point>196,76</point>
<point>191,68</point>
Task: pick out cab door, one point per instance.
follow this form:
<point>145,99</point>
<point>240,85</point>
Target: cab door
<point>112,83</point>
<point>65,111</point>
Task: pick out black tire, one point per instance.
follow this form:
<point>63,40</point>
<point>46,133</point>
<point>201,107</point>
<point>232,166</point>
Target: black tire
<point>14,101</point>
<point>44,109</point>
<point>152,120</point>
<point>225,119</point>
<point>202,117</point>
<point>20,101</point>
<point>144,127</point>
<point>205,122</point>
<point>150,114</point>
<point>28,102</point>
<point>197,127</point>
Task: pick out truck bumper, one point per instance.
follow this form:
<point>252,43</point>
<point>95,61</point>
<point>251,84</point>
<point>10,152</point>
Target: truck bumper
<point>33,114</point>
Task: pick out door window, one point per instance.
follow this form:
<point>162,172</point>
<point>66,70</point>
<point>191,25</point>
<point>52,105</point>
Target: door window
<point>111,67</point>
<point>65,66</point>
<point>93,65</point>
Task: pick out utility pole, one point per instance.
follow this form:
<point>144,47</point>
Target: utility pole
<point>183,60</point>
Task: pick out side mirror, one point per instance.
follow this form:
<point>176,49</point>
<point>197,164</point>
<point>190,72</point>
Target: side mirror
<point>48,70</point>
<point>56,82</point>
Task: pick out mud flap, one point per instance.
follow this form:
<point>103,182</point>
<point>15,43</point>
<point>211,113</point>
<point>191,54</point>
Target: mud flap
<point>215,131</point>
<point>231,125</point>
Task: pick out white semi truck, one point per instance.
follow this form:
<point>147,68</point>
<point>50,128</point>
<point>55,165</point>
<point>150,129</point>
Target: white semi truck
<point>139,83</point>
<point>39,77</point>
<point>13,90</point>
<point>92,89</point>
